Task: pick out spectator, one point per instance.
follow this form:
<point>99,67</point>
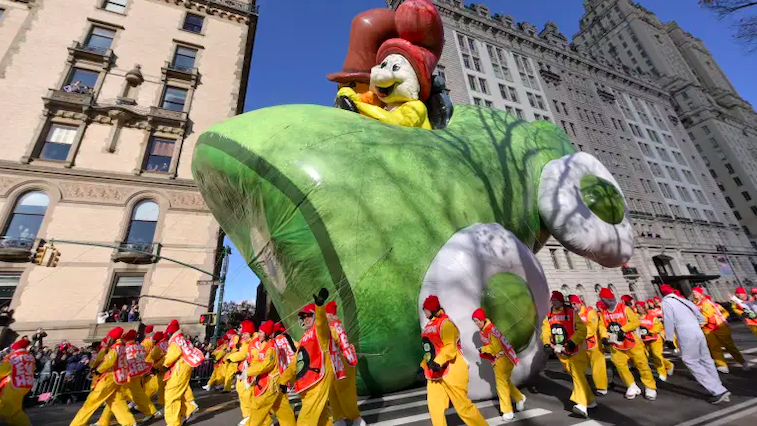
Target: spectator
<point>123,314</point>
<point>37,339</point>
<point>134,313</point>
<point>6,316</point>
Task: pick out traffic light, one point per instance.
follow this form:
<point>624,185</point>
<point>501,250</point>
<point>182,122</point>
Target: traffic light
<point>39,255</point>
<point>208,319</point>
<point>54,257</point>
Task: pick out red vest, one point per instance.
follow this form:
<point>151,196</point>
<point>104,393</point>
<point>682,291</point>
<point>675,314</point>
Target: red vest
<point>311,362</point>
<point>614,321</point>
<point>433,344</point>
<point>135,360</point>
<point>490,331</point>
<point>284,352</point>
<point>121,369</point>
<point>163,344</point>
<point>348,350</point>
<point>562,327</point>
<point>261,382</point>
<point>657,312</point>
<point>714,321</point>
<point>647,323</point>
<point>22,370</point>
<point>189,354</point>
<point>253,345</point>
<point>591,342</point>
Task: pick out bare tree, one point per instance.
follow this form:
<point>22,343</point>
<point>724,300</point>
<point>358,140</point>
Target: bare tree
<point>746,26</point>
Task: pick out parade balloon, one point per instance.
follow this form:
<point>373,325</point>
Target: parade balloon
<point>384,215</point>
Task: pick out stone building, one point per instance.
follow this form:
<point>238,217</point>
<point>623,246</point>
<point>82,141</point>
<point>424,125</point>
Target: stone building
<point>686,234</point>
<point>102,101</point>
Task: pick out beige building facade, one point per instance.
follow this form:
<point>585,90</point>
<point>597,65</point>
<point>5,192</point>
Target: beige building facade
<point>102,101</point>
<point>630,122</point>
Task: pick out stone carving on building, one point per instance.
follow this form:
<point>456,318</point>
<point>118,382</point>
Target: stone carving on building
<point>186,200</point>
<point>95,192</point>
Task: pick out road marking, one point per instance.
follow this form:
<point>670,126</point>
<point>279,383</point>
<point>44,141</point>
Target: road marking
<point>733,416</point>
<point>494,421</point>
<point>523,415</point>
<point>590,423</point>
<point>418,417</point>
<point>719,413</point>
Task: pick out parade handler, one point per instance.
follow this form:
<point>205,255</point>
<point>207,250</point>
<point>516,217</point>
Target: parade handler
<point>618,330</point>
<point>503,358</point>
<point>343,398</point>
<point>219,368</point>
<point>16,380</point>
<point>650,331</point>
<point>741,305</point>
<point>312,373</point>
<point>596,355</point>
<point>564,333</point>
<point>113,375</point>
<point>180,359</point>
<point>154,383</point>
<point>240,359</point>
<point>717,332</point>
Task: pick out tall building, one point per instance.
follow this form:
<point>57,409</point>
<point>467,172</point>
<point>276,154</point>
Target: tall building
<point>102,102</point>
<point>628,119</point>
<point>722,125</point>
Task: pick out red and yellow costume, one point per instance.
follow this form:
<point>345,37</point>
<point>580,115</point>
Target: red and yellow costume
<point>749,318</point>
<point>180,359</point>
<point>114,374</point>
<point>716,331</point>
<point>219,368</point>
<point>267,396</point>
<point>343,397</point>
<point>231,367</point>
<point>238,360</point>
<point>594,352</point>
<point>445,368</point>
<point>16,380</point>
<point>650,332</point>
<point>154,383</point>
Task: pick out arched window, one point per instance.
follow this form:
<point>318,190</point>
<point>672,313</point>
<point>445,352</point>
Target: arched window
<point>597,288</point>
<point>581,293</point>
<point>27,217</point>
<point>144,219</point>
<point>634,292</point>
<point>565,290</point>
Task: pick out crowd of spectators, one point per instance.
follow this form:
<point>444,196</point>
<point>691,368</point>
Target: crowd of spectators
<point>127,313</point>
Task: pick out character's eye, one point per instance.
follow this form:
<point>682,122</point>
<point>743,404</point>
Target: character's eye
<point>383,64</point>
<point>352,85</point>
<point>396,67</point>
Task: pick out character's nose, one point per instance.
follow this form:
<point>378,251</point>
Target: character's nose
<point>384,78</point>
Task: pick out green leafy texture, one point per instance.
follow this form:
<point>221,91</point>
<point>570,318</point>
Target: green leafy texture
<point>509,304</point>
<point>320,197</point>
<point>603,199</point>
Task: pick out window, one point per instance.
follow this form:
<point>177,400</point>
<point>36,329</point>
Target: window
<point>737,181</point>
<point>729,168</point>
<point>193,23</point>
<point>27,217</point>
<point>737,215</point>
<point>488,103</point>
<point>174,98</point>
<point>58,142</point>
<point>519,113</point>
<point>184,58</point>
<point>472,82</point>
<point>100,39</point>
<point>513,94</point>
<point>477,64</point>
<point>125,291</point>
<point>484,86</point>
<point>567,257</point>
<point>159,155</point>
<point>746,195</point>
<point>477,101</point>
<point>706,130</point>
<point>144,219</point>
<point>8,282</point>
<point>440,71</point>
<point>729,201</point>
<point>555,260</point>
<point>754,210</point>
<point>81,81</point>
<point>118,6</point>
<point>466,61</point>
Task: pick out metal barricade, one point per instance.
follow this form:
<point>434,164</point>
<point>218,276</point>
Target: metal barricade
<point>202,372</point>
<point>46,388</point>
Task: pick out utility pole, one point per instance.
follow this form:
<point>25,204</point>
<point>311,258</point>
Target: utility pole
<point>221,288</point>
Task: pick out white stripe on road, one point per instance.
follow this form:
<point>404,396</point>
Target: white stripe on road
<point>590,423</point>
<point>400,407</point>
<point>494,421</point>
<point>733,416</point>
<point>523,415</point>
<point>719,413</point>
<point>395,396</point>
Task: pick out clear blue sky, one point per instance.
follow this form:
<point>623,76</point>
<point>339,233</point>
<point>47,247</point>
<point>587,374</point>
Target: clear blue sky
<point>298,42</point>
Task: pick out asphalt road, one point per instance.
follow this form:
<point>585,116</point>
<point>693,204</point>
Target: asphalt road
<point>680,402</point>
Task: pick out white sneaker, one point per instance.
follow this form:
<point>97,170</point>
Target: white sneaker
<point>723,369</point>
<point>581,411</point>
<point>359,422</point>
<point>340,422</point>
<point>521,405</point>
<point>206,387</point>
<point>191,413</point>
<point>632,391</point>
<point>663,378</point>
<point>508,417</point>
<point>592,405</point>
<point>745,366</point>
<point>602,391</point>
<point>650,394</point>
<point>671,369</point>
<point>158,414</point>
<point>244,421</point>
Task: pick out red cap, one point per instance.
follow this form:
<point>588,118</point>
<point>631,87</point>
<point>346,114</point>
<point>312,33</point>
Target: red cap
<point>754,290</point>
<point>149,329</point>
<point>479,314</point>
<point>267,328</point>
<point>421,39</point>
<point>248,326</point>
<point>308,309</point>
<point>432,303</point>
<point>173,327</point>
<point>556,295</point>
<point>606,293</point>
<point>657,299</point>
<point>699,290</point>
<point>666,289</point>
<point>130,335</point>
<point>650,301</point>
<point>574,299</point>
<point>642,304</point>
<point>21,344</point>
<point>708,297</point>
<point>116,333</point>
<point>158,336</point>
<point>331,308</point>
<point>231,332</point>
<point>677,292</point>
<point>626,298</point>
<point>601,305</point>
<point>741,290</point>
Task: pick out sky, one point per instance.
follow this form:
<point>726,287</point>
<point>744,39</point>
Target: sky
<point>298,42</point>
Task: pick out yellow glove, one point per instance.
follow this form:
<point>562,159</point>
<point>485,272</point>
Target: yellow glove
<point>349,93</point>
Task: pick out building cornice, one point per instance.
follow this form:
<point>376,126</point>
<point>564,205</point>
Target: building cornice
<point>239,10</point>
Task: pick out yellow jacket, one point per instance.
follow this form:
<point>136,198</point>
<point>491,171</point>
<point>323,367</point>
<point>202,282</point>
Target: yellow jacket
<point>148,344</point>
<point>408,114</point>
<point>219,353</point>
<point>268,364</point>
<point>155,357</point>
<point>323,331</point>
<point>241,354</point>
<point>579,334</point>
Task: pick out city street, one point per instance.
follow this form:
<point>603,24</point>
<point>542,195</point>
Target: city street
<point>680,402</point>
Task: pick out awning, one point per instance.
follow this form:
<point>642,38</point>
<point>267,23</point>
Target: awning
<point>677,278</point>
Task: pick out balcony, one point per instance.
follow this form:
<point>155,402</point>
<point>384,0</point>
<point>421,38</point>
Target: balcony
<point>701,222</point>
<point>91,53</point>
<point>640,215</point>
<point>15,249</point>
<point>629,272</point>
<point>550,75</point>
<point>137,254</point>
<point>665,216</point>
<point>77,98</point>
<point>172,70</point>
<point>167,114</point>
<point>244,6</point>
<point>606,96</point>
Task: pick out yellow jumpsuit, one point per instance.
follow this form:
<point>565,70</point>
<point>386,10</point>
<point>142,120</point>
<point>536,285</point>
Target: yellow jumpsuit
<point>272,400</point>
<point>219,370</point>
<point>230,368</point>
<point>454,386</point>
<point>596,355</point>
<point>154,384</point>
<point>503,367</point>
<point>654,348</point>
<point>315,409</point>
<point>12,400</point>
<point>574,364</point>
<point>244,394</point>
<point>343,397</point>
<point>637,354</point>
<point>409,114</point>
<point>133,390</point>
<point>106,391</point>
<point>721,336</point>
<point>752,324</point>
<point>179,397</point>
